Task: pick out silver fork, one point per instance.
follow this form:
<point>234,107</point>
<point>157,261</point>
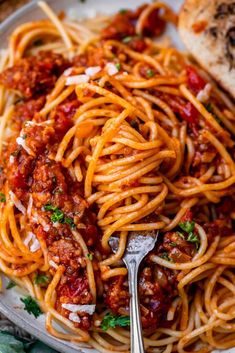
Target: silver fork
<point>139,244</point>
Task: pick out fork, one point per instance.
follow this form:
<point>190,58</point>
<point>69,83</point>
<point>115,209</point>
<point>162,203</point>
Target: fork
<point>139,244</point>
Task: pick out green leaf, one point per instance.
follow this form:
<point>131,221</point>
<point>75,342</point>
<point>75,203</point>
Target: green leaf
<point>193,238</point>
<point>208,107</point>
<point>172,243</point>
<point>31,306</point>
<point>123,11</point>
<point>187,226</point>
<point>118,66</point>
<point>57,216</point>
<point>90,256</point>
<point>39,347</point>
<point>111,321</point>
<point>10,285</point>
<point>2,197</point>
<point>150,73</point>
<point>165,256</point>
<point>49,207</point>
<point>69,221</point>
<point>9,344</point>
<point>127,39</point>
<point>41,279</point>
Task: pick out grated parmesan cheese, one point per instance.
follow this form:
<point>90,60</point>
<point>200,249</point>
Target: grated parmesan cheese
<point>89,309</point>
<point>21,142</point>
<point>11,159</point>
<point>204,95</point>
<point>35,243</point>
<point>53,264</point>
<point>111,69</point>
<point>74,317</point>
<point>76,80</point>
<point>91,71</point>
<point>28,238</point>
<point>68,71</point>
<point>29,208</point>
<point>18,204</point>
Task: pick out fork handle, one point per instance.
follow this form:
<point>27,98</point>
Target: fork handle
<point>137,344</point>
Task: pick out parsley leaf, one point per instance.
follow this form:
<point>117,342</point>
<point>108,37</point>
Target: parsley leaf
<point>111,321</point>
<point>118,66</point>
<point>10,285</point>
<point>165,256</point>
<point>150,73</point>
<point>69,221</point>
<point>172,243</point>
<point>90,256</point>
<point>127,39</point>
<point>123,11</point>
<point>187,226</point>
<point>41,279</point>
<point>31,306</point>
<point>193,238</point>
<point>2,197</point>
<point>58,216</point>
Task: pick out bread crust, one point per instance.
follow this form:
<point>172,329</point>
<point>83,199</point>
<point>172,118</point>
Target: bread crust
<point>207,28</point>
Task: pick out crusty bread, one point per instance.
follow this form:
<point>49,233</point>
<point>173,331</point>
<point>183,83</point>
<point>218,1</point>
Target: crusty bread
<point>207,28</point>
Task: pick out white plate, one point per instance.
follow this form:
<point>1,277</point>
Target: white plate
<point>10,304</point>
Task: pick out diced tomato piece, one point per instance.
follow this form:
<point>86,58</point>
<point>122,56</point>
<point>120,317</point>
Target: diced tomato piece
<point>195,82</point>
<point>154,25</point>
<point>189,113</point>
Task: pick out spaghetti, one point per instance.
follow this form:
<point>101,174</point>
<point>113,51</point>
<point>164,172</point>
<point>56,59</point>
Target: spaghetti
<point>106,131</point>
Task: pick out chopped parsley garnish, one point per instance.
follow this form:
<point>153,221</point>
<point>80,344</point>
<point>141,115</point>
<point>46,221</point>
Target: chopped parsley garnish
<point>24,136</point>
<point>69,221</point>
<point>58,216</point>
<point>187,226</point>
<point>31,306</point>
<point>150,73</point>
<point>111,321</point>
<point>172,243</point>
<point>2,197</point>
<point>90,256</point>
<point>181,235</point>
<point>210,109</point>
<point>118,66</point>
<point>127,39</point>
<point>123,11</point>
<point>165,256</point>
<point>10,285</point>
<point>193,238</point>
<point>41,279</point>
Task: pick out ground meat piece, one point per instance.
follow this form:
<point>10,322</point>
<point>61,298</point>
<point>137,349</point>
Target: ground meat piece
<point>25,110</point>
<point>75,290</point>
<point>173,241</point>
<point>38,137</point>
<point>120,27</point>
<point>19,172</point>
<point>35,74</point>
<point>137,43</point>
<point>63,115</point>
<point>154,25</point>
<point>116,295</point>
<point>68,253</point>
<point>92,57</point>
